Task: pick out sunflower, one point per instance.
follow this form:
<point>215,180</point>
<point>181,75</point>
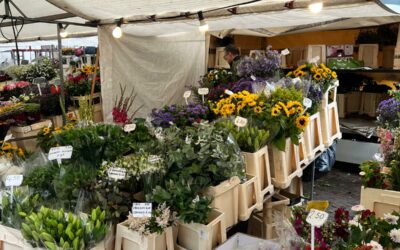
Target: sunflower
<point>292,111</point>
<point>6,147</point>
<point>216,111</point>
<point>46,131</point>
<point>318,77</point>
<point>275,111</point>
<point>313,69</point>
<point>57,130</point>
<point>302,67</point>
<point>293,103</point>
<point>302,122</point>
<point>284,108</point>
<point>257,109</point>
<point>320,71</point>
<point>334,75</point>
<point>299,74</point>
<point>328,70</point>
<point>325,75</point>
<point>300,110</point>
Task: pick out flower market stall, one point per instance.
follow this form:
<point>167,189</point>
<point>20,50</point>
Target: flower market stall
<point>185,157</point>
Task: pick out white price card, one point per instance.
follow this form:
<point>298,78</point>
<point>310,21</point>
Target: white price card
<point>314,59</point>
<point>130,127</point>
<point>228,92</point>
<point>240,121</point>
<point>253,78</point>
<point>307,102</point>
<point>203,91</point>
<point>154,158</point>
<point>285,52</point>
<point>317,218</point>
<point>141,209</point>
<point>14,180</point>
<point>64,152</point>
<point>116,173</point>
<point>187,94</point>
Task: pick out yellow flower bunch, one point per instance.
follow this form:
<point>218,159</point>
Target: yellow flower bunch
<point>290,109</point>
<point>241,101</point>
<point>88,69</point>
<point>11,152</point>
<point>48,131</point>
<point>318,73</point>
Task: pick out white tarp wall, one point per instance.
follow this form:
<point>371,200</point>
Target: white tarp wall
<point>158,67</point>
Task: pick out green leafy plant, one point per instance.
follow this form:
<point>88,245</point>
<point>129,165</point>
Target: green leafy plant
<point>371,175</point>
<point>52,229</point>
<point>249,138</point>
<point>183,199</point>
<point>16,205</point>
<point>40,180</point>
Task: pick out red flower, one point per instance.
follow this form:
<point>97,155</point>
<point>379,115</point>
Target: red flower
<point>55,89</point>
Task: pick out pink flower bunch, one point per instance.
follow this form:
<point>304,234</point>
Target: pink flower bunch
<point>22,84</point>
<point>387,142</point>
<point>9,87</point>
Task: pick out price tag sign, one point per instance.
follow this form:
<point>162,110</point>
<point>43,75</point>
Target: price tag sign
<point>228,92</point>
<point>141,209</point>
<point>285,52</point>
<point>203,91</point>
<point>253,78</point>
<point>187,94</point>
<point>14,180</point>
<point>314,59</point>
<point>154,158</point>
<point>116,173</point>
<point>317,218</point>
<point>58,153</point>
<point>307,102</point>
<point>130,127</point>
<point>240,121</point>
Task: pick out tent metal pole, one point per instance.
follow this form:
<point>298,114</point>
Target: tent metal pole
<point>62,96</point>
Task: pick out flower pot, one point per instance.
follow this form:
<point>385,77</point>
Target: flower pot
<point>330,116</point>
<point>257,164</point>
<point>380,201</point>
<point>129,239</point>
<point>195,236</point>
<point>225,198</point>
<point>313,137</point>
<point>285,165</point>
<point>26,131</point>
<point>249,197</point>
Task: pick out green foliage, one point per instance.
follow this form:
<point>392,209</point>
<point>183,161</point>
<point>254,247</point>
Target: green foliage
<point>40,179</point>
<point>95,143</point>
<point>18,72</point>
<point>182,198</point>
<point>204,153</point>
<point>17,205</point>
<point>53,230</point>
<point>141,139</point>
<point>249,138</point>
<point>82,88</point>
<point>286,94</point>
<point>41,68</point>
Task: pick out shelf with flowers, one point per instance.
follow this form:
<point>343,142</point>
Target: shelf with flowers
<point>327,80</point>
<point>381,177</point>
<point>364,230</point>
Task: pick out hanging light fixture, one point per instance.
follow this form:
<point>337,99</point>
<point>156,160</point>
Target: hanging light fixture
<point>117,31</point>
<point>63,31</point>
<point>316,6</point>
<point>203,24</point>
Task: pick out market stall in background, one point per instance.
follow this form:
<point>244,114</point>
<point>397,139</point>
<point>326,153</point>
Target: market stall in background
<point>171,137</point>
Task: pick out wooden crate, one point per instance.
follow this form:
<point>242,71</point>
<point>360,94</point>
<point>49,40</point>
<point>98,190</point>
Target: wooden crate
<point>285,165</point>
<point>330,116</point>
<point>128,239</point>
<point>313,137</point>
<point>368,53</point>
<point>226,199</point>
<point>369,104</point>
<point>353,102</point>
<point>341,100</point>
<point>257,164</point>
<point>249,197</point>
<point>316,50</point>
<point>196,236</point>
<point>303,159</point>
<point>26,131</point>
<point>380,201</point>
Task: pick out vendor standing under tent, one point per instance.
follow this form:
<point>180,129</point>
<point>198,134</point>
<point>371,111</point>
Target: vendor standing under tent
<point>232,56</point>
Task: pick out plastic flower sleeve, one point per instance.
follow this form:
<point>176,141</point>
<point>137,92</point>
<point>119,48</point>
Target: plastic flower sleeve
<point>287,235</point>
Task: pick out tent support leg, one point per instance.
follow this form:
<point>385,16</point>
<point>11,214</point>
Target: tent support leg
<point>62,96</point>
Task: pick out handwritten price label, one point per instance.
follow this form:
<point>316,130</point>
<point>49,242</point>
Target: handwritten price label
<point>14,180</point>
<point>285,52</point>
<point>228,92</point>
<point>142,209</point>
<point>116,173</point>
<point>130,127</point>
<point>203,91</point>
<point>64,152</point>
<point>307,102</point>
<point>317,218</point>
<point>187,94</point>
<point>240,121</point>
<point>253,78</point>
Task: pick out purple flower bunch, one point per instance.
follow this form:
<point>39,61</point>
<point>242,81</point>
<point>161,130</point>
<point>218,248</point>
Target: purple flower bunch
<point>260,65</point>
<point>388,113</point>
<point>219,91</point>
<point>180,115</point>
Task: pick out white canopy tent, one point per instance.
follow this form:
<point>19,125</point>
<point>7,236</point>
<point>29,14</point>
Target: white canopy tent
<point>161,40</point>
